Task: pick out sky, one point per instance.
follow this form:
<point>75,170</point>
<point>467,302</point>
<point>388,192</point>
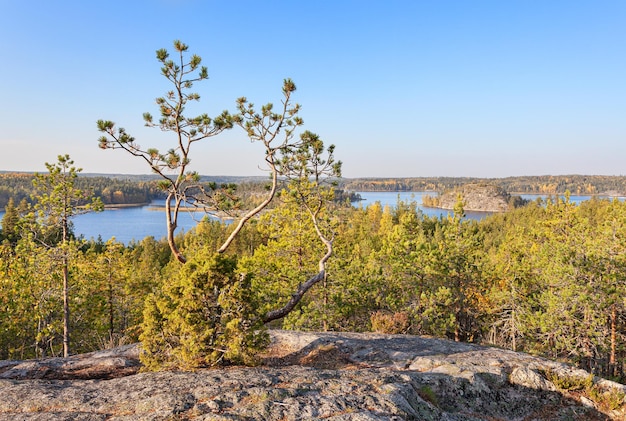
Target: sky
<point>403,88</point>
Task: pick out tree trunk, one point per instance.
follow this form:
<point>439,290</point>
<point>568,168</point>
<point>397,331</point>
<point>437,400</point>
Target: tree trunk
<point>111,307</point>
<point>612,357</point>
<point>325,303</point>
<point>66,310</point>
<point>294,300</point>
<point>171,227</point>
<point>66,288</point>
<point>303,288</point>
<point>513,332</point>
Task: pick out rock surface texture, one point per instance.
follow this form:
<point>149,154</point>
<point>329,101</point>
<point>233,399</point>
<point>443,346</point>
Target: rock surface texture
<point>477,197</point>
<point>305,376</point>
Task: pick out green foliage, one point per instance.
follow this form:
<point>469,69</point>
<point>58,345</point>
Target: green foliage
<point>57,201</point>
<point>426,393</point>
<point>547,279</point>
<point>288,257</point>
<point>204,316</point>
<point>606,398</point>
<point>182,73</point>
<point>30,320</point>
<point>10,223</point>
<point>569,383</point>
<point>109,284</point>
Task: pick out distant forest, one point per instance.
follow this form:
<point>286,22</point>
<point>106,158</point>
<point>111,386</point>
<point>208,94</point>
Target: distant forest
<point>546,184</point>
<point>112,191</point>
<point>115,190</point>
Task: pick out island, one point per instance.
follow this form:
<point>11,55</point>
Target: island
<point>476,197</point>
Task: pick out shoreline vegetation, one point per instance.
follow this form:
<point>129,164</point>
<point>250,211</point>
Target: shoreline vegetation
<point>126,205</point>
<point>540,279</point>
<point>119,191</point>
<point>222,215</point>
<point>598,185</point>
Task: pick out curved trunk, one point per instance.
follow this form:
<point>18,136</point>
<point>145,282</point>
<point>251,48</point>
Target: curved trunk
<point>294,300</point>
<point>171,226</point>
<point>303,288</point>
<point>253,212</point>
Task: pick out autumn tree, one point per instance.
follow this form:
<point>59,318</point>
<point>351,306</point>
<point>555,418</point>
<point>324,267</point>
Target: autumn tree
<point>513,288</point>
<point>31,300</point>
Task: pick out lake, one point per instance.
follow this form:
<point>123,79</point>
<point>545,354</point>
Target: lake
<point>130,223</point>
<point>136,223</point>
<point>391,199</point>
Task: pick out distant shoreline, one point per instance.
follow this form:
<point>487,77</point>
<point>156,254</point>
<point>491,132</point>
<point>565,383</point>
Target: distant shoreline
<point>216,214</point>
<point>125,205</point>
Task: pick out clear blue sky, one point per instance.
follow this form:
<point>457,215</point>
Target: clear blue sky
<point>402,88</point>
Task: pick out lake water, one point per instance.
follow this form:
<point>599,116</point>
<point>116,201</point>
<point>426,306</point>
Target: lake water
<point>391,199</point>
<point>136,223</point>
<point>130,223</point>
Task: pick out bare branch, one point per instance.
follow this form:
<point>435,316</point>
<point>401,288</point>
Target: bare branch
<point>186,130</point>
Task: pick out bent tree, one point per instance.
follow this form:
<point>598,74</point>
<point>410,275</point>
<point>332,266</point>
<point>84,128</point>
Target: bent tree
<point>300,161</point>
<point>181,184</point>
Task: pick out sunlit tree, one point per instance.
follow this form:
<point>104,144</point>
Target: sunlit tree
<point>57,201</point>
<point>173,166</point>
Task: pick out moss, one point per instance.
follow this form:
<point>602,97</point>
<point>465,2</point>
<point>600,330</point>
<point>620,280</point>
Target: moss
<point>608,399</point>
<point>426,393</point>
<point>569,383</point>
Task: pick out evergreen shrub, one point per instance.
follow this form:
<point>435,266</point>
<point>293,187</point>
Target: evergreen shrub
<point>204,316</point>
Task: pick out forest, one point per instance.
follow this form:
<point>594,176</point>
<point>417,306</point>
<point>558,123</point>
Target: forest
<point>547,278</point>
<point>548,184</point>
<point>133,190</point>
<point>141,189</point>
<point>112,191</point>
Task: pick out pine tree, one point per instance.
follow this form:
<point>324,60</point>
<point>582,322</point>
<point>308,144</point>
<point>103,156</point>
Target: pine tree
<point>10,223</point>
<point>57,200</point>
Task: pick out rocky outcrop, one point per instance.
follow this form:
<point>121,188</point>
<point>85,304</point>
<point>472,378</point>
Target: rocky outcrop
<point>477,197</point>
<point>108,364</point>
<point>334,376</point>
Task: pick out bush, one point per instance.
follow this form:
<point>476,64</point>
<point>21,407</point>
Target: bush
<point>205,316</point>
<point>389,323</point>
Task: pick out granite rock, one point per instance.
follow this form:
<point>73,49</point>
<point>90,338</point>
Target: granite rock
<point>305,375</point>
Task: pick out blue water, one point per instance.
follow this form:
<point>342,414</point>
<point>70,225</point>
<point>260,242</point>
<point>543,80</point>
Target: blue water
<point>391,199</point>
<point>136,223</point>
<point>130,223</point>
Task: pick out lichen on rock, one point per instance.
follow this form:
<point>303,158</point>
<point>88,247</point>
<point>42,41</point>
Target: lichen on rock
<point>309,375</point>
